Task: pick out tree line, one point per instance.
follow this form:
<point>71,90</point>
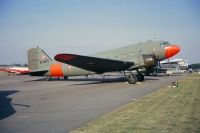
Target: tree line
<point>194,66</point>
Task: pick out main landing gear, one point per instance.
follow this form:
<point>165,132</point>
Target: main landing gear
<point>65,77</point>
<point>133,77</point>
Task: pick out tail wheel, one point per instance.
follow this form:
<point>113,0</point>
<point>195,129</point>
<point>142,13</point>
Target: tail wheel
<point>65,77</point>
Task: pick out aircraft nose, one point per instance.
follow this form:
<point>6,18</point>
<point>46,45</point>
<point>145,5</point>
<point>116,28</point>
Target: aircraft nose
<point>171,50</point>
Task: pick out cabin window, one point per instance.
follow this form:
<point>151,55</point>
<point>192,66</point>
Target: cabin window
<point>116,57</point>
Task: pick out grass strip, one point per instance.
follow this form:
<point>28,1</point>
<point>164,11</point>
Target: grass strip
<point>169,110</point>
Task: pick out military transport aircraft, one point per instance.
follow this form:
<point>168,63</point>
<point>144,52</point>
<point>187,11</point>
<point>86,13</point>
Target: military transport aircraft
<point>132,61</point>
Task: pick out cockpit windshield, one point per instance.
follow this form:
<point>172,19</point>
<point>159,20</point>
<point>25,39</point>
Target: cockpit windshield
<point>163,44</point>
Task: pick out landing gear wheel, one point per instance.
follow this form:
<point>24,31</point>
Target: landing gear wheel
<point>140,77</point>
<point>65,77</point>
<point>49,78</point>
<point>132,79</point>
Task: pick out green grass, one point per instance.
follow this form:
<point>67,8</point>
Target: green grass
<point>169,110</point>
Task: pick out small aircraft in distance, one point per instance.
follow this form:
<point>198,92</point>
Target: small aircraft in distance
<point>133,61</point>
<point>15,70</point>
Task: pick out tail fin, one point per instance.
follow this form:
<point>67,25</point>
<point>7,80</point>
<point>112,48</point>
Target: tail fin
<point>38,60</point>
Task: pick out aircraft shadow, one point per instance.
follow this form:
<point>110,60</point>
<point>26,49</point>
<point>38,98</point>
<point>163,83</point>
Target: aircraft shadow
<point>41,79</point>
<point>104,81</point>
<point>96,80</point>
<point>99,80</point>
<point>81,79</point>
<point>6,108</point>
<point>148,78</point>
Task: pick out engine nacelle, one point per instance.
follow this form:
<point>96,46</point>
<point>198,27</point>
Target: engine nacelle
<point>149,61</point>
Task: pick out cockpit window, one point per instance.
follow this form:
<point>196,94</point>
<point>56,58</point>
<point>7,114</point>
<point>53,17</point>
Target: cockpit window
<point>163,44</point>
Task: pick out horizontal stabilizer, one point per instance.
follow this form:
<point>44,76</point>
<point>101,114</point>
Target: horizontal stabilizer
<point>38,73</point>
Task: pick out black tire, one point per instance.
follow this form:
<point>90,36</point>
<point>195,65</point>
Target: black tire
<point>132,79</point>
<point>140,77</point>
<point>65,77</point>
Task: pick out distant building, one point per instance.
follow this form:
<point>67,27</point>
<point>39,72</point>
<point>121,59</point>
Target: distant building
<point>183,64</point>
<point>170,67</point>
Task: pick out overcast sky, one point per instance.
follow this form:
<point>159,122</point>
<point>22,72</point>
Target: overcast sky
<point>88,26</point>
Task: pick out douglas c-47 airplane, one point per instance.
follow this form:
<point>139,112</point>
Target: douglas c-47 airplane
<point>133,61</point>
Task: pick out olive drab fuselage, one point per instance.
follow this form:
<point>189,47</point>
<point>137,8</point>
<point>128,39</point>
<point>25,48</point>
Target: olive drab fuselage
<point>143,55</point>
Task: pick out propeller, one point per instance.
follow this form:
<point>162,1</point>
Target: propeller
<point>157,62</point>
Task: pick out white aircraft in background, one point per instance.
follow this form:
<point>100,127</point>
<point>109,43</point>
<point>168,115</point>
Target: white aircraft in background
<point>15,70</point>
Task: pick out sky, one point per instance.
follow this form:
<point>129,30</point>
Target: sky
<point>89,26</point>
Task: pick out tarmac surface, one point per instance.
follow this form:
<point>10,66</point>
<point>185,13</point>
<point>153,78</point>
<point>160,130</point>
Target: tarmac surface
<point>35,105</point>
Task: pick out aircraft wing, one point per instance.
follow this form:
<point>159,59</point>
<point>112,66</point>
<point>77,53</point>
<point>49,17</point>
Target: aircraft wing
<point>95,64</point>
